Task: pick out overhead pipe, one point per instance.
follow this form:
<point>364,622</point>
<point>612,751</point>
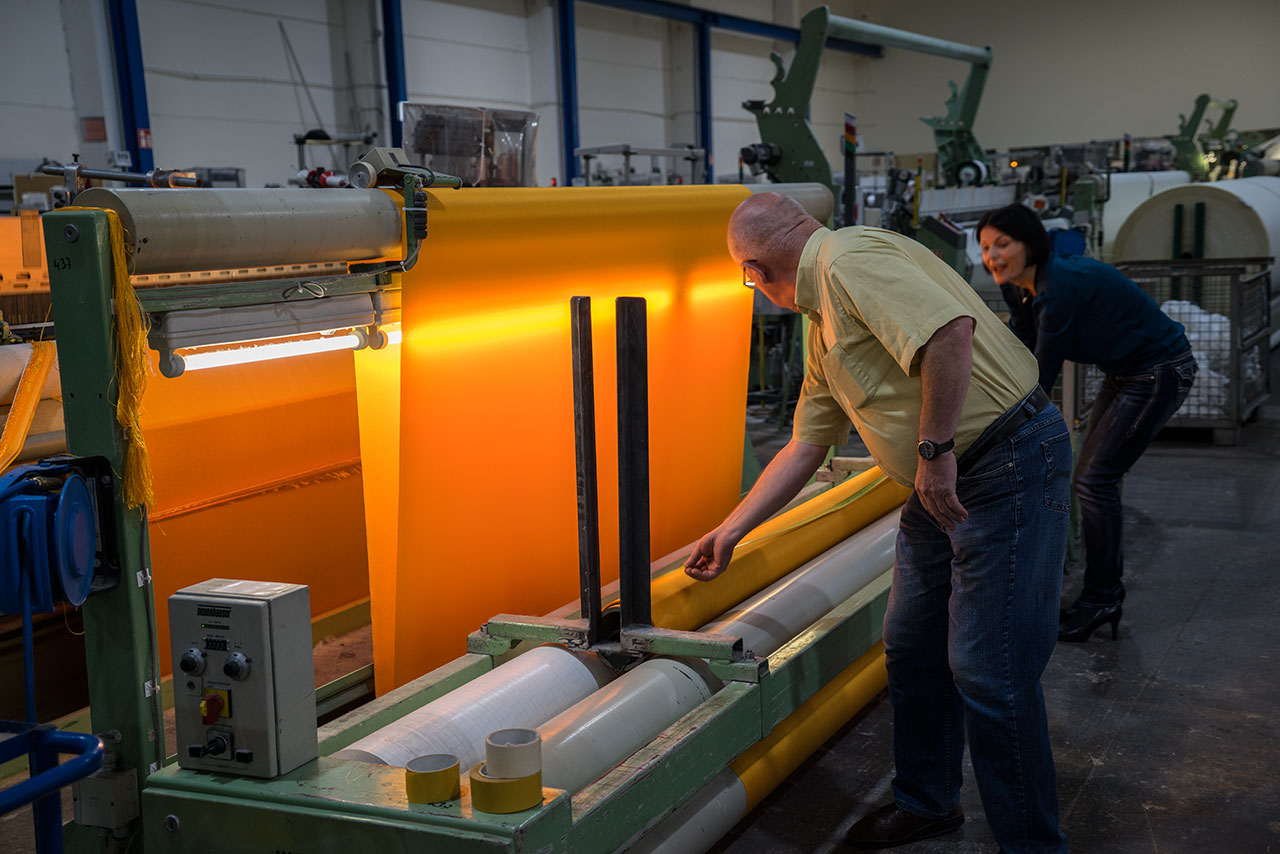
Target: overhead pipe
<point>850,28</point>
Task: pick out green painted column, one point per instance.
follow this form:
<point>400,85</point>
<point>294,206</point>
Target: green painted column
<point>120,623</point>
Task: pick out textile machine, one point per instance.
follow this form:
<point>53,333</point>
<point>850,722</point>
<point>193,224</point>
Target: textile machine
<point>664,708</point>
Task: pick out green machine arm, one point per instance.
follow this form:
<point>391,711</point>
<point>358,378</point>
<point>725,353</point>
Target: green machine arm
<point>1188,144</point>
<point>790,151</point>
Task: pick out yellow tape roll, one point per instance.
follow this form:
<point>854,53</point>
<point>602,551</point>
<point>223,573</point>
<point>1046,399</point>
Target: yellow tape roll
<point>504,794</point>
<point>432,779</point>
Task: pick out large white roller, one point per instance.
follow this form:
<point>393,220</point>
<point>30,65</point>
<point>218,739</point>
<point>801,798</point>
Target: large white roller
<point>589,738</point>
<point>1241,220</point>
<point>525,692</point>
<point>597,733</point>
<point>699,822</point>
<point>1128,190</point>
<point>171,230</point>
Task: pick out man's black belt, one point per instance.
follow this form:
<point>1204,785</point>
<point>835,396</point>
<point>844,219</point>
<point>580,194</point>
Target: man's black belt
<point>1003,427</point>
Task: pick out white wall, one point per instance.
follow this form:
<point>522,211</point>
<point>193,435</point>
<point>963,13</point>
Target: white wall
<point>220,91</point>
<point>1095,69</point>
<point>37,113</point>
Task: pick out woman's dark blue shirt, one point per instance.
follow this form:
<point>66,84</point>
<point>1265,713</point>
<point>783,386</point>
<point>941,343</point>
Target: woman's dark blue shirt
<point>1089,312</point>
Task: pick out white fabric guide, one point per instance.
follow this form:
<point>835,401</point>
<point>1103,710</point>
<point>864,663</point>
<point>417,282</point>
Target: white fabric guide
<point>525,692</point>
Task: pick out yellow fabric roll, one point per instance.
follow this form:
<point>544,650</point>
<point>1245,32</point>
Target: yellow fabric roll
<point>766,554</point>
<point>17,423</point>
<point>769,762</point>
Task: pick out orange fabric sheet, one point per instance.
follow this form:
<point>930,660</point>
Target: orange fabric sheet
<point>484,519</point>
<point>257,476</point>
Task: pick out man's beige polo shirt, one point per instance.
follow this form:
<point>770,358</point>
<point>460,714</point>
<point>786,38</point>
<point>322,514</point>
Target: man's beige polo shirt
<point>875,298</point>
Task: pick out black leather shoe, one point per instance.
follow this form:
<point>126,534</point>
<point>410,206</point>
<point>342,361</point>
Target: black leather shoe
<point>889,827</point>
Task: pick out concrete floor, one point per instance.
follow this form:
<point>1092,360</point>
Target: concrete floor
<point>1166,740</point>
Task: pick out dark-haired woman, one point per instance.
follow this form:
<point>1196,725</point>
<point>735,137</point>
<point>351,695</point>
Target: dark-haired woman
<point>1076,308</point>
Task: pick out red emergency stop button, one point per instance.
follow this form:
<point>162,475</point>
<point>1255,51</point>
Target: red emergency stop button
<point>211,708</point>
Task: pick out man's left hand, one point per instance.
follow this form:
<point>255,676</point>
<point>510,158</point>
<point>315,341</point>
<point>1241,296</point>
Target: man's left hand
<point>936,486</point>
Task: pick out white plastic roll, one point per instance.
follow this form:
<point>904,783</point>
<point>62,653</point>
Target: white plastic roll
<point>1241,220</point>
<point>525,692</point>
<point>593,735</point>
<point>1128,190</point>
<point>513,753</point>
<point>782,610</point>
<point>700,821</point>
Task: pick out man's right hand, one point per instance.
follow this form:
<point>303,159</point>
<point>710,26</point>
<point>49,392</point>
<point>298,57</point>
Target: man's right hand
<point>711,555</point>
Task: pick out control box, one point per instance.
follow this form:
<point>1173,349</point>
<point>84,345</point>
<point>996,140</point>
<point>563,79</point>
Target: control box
<point>244,692</point>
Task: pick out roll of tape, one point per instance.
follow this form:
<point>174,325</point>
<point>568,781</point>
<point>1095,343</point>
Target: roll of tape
<point>432,779</point>
<point>504,794</point>
<point>513,753</point>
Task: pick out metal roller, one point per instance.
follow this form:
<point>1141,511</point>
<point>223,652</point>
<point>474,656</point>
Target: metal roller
<point>815,198</point>
<point>181,230</point>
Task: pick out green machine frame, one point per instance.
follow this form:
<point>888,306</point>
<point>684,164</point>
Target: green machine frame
<point>783,121</point>
<point>341,805</point>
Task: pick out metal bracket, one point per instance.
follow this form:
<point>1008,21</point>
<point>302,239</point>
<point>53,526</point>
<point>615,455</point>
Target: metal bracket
<point>650,640</point>
<point>149,689</point>
<point>512,628</point>
<point>143,577</point>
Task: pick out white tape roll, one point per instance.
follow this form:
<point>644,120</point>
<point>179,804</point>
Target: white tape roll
<point>513,753</point>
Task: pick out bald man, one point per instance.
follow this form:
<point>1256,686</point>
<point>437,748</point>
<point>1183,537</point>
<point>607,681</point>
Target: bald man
<point>947,400</point>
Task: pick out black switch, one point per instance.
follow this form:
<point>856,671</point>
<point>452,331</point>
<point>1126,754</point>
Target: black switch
<point>195,751</point>
<point>244,755</point>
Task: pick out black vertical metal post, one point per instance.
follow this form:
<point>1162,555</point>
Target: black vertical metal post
<point>1197,250</point>
<point>584,435</point>
<point>633,462</point>
<point>1175,283</point>
<point>850,181</point>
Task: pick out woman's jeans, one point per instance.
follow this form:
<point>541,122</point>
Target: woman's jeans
<point>971,622</point>
<point>1128,412</point>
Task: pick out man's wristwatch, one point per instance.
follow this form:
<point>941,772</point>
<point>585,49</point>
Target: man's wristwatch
<point>931,450</point>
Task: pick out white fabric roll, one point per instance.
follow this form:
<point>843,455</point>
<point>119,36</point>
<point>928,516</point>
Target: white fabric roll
<point>525,692</point>
<point>1128,191</point>
<point>782,610</point>
<point>700,821</point>
<point>593,735</point>
<point>1242,220</point>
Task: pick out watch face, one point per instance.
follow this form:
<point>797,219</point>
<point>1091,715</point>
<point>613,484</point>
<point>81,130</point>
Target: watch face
<point>928,449</point>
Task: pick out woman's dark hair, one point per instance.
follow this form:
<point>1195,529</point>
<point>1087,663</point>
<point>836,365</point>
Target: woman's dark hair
<point>1022,224</point>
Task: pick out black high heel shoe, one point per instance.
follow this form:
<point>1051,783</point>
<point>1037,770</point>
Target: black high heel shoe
<point>1078,622</point>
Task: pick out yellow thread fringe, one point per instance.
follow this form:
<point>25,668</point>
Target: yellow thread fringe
<point>130,323</point>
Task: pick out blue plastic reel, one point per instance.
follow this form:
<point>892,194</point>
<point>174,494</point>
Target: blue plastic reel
<point>48,532</point>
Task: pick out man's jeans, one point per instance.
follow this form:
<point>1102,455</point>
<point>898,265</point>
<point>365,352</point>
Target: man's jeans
<point>971,622</point>
<point>1128,412</point>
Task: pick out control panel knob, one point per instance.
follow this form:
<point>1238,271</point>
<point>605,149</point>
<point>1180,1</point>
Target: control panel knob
<point>217,746</point>
<point>236,666</point>
<point>192,662</point>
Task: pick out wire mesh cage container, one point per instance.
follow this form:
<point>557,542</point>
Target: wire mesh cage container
<point>1225,307</point>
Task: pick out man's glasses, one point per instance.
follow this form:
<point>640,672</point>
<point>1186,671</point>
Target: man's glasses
<point>751,274</point>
